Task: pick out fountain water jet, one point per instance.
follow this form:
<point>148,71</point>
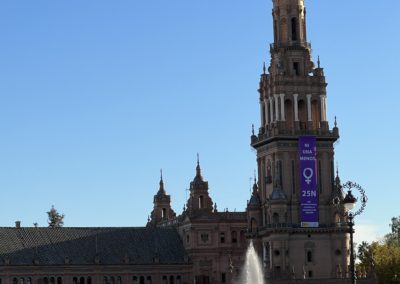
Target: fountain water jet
<point>252,272</point>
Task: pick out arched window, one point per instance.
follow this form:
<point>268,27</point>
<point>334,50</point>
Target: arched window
<point>309,256</point>
<point>21,280</point>
<point>302,114</point>
<point>315,114</point>
<point>171,280</point>
<point>28,280</point>
<point>178,279</point>
<point>275,32</point>
<point>15,281</point>
<point>148,280</point>
<point>294,28</point>
<point>163,213</point>
<point>141,280</point>
<point>275,218</point>
<point>59,280</point>
<point>135,280</point>
<point>234,237</point>
<point>105,280</point>
<point>89,280</point>
<point>289,114</point>
<point>82,280</point>
<point>52,280</point>
<point>112,280</point>
<point>201,202</point>
<point>119,280</point>
<point>164,280</point>
<point>46,280</point>
<point>284,31</point>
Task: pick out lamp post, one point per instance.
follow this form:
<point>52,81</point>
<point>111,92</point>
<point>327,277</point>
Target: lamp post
<point>349,203</point>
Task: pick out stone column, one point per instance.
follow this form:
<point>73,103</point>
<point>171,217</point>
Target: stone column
<point>271,109</point>
<point>276,107</point>
<point>282,107</point>
<point>296,107</point>
<point>309,107</point>
<point>262,113</point>
<point>323,107</point>
<point>266,111</point>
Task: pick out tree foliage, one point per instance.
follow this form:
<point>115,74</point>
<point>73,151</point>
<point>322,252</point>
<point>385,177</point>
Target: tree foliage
<point>55,219</point>
<point>382,258</point>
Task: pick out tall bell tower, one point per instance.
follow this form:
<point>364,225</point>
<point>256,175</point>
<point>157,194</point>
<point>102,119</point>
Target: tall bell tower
<point>300,230</point>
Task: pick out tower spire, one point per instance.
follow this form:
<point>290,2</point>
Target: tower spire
<point>198,169</point>
<point>161,189</point>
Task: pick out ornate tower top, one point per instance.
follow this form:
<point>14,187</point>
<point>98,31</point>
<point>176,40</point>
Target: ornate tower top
<point>199,200</point>
<point>161,190</point>
<point>162,210</point>
<point>293,91</point>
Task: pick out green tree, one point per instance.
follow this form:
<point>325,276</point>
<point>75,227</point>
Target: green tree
<point>55,219</point>
<point>394,236</point>
<point>382,258</point>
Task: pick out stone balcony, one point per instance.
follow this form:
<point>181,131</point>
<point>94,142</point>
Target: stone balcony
<point>296,228</point>
<point>279,130</point>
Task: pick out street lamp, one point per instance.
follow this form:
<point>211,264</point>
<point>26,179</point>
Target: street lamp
<point>349,203</point>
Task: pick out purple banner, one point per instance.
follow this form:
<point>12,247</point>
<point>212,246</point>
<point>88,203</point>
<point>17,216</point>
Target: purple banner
<point>308,182</point>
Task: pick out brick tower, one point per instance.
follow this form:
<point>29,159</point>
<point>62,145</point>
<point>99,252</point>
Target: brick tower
<point>299,231</point>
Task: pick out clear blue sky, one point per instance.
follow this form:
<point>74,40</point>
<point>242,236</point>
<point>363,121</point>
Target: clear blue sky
<point>97,96</point>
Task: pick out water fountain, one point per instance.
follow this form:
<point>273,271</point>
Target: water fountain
<point>252,272</point>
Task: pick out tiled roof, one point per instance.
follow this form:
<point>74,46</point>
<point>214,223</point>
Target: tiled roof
<point>58,246</point>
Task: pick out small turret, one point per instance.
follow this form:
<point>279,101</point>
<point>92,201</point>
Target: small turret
<point>162,210</point>
<point>199,200</point>
<point>254,209</point>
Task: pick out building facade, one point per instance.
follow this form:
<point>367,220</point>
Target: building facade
<point>300,235</point>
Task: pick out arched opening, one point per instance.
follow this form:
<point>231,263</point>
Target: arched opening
<point>29,280</point>
<point>284,31</point>
<point>21,280</point>
<point>289,114</point>
<point>234,237</point>
<point>294,29</point>
<point>201,202</point>
<point>89,280</point>
<point>302,114</point>
<point>59,281</point>
<point>164,280</point>
<point>112,280</point>
<point>15,281</point>
<point>141,280</point>
<point>46,280</point>
<point>75,280</point>
<point>148,279</point>
<point>135,280</point>
<point>163,213</point>
<point>315,114</point>
<point>171,280</point>
<point>275,218</point>
<point>82,280</point>
<point>309,256</point>
<point>119,280</point>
